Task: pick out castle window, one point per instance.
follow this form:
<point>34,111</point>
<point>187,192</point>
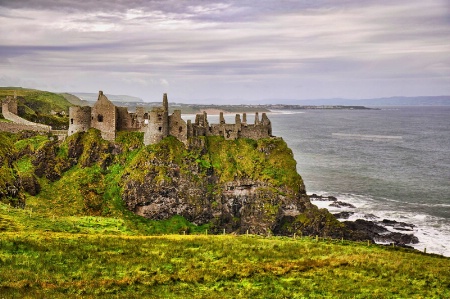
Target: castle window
<point>160,129</point>
<point>100,118</point>
<point>180,129</point>
<point>71,121</point>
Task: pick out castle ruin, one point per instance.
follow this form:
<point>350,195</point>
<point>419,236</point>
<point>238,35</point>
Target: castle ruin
<point>157,123</point>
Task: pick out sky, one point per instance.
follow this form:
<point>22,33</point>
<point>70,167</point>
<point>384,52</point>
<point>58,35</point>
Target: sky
<point>228,52</point>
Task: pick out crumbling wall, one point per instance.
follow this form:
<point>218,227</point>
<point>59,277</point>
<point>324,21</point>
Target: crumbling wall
<point>240,129</point>
<point>104,117</point>
<point>124,119</point>
<point>177,126</point>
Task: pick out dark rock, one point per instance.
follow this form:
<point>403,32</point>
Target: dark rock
<point>397,238</point>
<point>340,204</point>
<point>398,225</point>
<point>369,227</point>
<point>30,184</point>
<point>371,217</point>
<point>314,196</point>
<point>343,215</point>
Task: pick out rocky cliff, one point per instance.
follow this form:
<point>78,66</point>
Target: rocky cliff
<point>241,185</point>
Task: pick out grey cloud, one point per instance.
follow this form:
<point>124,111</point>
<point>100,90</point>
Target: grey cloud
<point>229,45</point>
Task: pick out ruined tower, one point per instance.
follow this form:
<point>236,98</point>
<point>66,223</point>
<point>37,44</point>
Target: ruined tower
<point>158,123</point>
<point>79,119</point>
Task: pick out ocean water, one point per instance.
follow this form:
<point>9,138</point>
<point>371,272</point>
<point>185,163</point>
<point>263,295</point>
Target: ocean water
<point>392,163</point>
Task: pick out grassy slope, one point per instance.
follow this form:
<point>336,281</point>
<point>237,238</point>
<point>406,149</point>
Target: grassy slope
<point>39,101</point>
<point>75,238</point>
<point>66,265</point>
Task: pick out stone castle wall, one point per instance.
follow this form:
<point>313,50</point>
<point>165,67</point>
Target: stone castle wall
<point>16,128</point>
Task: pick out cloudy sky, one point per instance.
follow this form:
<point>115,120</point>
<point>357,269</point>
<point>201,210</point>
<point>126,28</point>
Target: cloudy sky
<point>234,51</point>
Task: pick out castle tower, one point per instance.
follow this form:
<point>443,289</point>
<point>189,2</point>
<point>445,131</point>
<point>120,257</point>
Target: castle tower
<point>158,123</point>
<point>79,119</point>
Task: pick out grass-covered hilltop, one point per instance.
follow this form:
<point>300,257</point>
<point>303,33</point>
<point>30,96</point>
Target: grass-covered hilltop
<point>90,218</point>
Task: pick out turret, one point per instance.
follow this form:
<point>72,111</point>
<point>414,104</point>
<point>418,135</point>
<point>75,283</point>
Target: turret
<point>165,103</point>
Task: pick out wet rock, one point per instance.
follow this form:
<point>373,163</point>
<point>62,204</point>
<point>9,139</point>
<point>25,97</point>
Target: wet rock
<point>343,215</point>
<point>370,217</point>
<point>397,238</point>
<point>314,196</point>
<point>340,204</point>
<point>398,225</point>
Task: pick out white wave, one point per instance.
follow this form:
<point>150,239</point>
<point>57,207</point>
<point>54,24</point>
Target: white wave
<point>433,232</point>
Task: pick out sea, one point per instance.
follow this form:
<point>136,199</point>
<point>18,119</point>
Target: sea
<point>390,163</point>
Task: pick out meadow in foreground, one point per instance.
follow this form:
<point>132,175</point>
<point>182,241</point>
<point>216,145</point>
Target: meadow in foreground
<point>57,265</point>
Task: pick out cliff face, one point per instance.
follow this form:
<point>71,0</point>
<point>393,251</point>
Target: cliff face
<point>235,185</point>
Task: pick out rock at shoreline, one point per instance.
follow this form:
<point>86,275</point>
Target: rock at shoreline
<point>314,196</point>
<point>398,225</point>
<point>340,204</point>
<point>343,215</point>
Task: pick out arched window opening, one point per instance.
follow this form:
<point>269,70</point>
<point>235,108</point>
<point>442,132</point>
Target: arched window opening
<point>100,118</point>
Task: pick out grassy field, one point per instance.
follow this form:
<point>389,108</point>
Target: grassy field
<point>57,265</point>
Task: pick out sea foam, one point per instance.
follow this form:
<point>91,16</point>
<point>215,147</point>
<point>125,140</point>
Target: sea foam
<point>432,232</point>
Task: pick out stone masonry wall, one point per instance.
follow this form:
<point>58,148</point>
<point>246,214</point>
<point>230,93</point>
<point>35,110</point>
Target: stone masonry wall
<point>16,128</point>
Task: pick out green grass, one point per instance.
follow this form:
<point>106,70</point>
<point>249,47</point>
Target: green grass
<point>60,265</point>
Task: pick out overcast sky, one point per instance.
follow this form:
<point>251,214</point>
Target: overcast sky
<point>238,51</point>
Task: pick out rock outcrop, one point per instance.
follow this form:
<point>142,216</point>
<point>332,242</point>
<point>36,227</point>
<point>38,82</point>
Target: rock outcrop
<point>237,185</point>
